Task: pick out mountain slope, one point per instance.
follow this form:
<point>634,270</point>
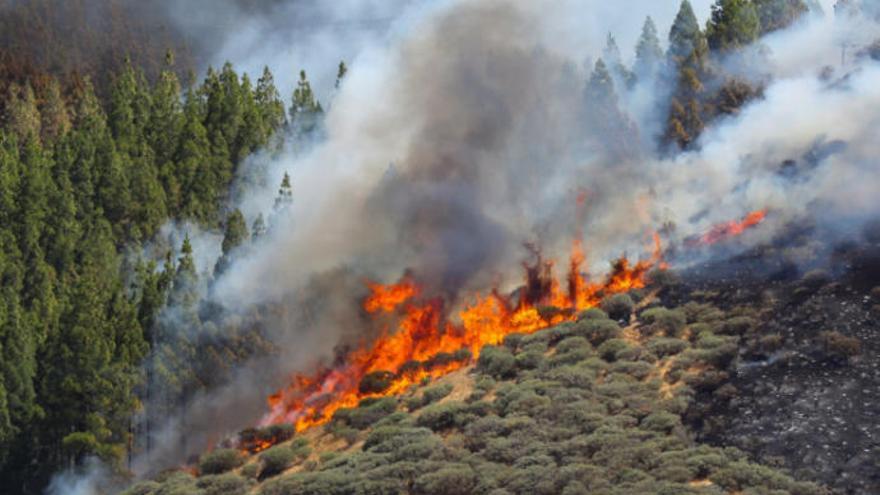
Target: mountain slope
<point>584,407</point>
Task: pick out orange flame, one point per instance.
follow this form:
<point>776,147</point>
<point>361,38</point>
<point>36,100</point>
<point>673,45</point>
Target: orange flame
<point>729,229</point>
<point>425,342</point>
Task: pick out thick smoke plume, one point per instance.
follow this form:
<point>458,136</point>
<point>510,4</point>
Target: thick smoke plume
<point>461,132</point>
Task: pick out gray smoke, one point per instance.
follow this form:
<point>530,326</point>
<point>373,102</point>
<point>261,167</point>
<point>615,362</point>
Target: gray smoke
<point>459,134</point>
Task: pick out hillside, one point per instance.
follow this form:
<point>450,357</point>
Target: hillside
<point>595,406</point>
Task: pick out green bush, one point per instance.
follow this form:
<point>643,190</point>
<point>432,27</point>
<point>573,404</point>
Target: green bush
<point>368,412</point>
<point>618,307</point>
<point>609,349</point>
<point>669,322</point>
<point>739,325</point>
<point>593,314</point>
<point>665,346</point>
<point>596,331</point>
<point>444,416</point>
<point>454,479</point>
<point>529,360</point>
<point>660,421</point>
<point>497,362</point>
<point>220,461</point>
<point>224,484</point>
<point>275,460</point>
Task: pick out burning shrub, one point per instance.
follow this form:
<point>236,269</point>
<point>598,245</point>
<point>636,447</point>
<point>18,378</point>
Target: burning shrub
<point>275,460</point>
<point>255,439</point>
<point>619,306</point>
<point>224,484</point>
<point>497,362</point>
<point>670,322</point>
<point>376,382</point>
<point>838,347</point>
<point>220,461</point>
<point>597,331</point>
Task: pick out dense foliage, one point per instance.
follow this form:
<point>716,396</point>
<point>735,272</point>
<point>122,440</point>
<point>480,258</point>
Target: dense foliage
<point>82,184</point>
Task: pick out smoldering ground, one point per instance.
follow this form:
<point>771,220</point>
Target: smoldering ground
<point>462,136</point>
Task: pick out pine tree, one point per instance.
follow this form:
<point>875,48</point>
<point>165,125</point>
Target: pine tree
<point>285,194</point>
<point>305,109</point>
<point>687,53</point>
<point>185,287</point>
<point>779,14</point>
<point>733,24</point>
<point>686,40</point>
<point>614,61</point>
<point>649,55</point>
<point>269,102</point>
<point>22,115</point>
<point>608,125</point>
<point>55,116</point>
<point>340,73</point>
<point>234,235</point>
<point>258,228</point>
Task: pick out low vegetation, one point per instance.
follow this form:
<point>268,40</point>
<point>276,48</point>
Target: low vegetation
<point>584,407</point>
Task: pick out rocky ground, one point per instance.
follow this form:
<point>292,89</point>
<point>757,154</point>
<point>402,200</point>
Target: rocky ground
<point>808,382</point>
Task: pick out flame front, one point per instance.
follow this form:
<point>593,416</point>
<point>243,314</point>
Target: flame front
<point>729,229</point>
<point>425,341</point>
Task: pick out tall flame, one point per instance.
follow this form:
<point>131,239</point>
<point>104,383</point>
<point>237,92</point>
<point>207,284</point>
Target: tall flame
<point>425,342</point>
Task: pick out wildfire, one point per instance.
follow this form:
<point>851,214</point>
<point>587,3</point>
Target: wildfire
<point>428,344</point>
<point>729,229</point>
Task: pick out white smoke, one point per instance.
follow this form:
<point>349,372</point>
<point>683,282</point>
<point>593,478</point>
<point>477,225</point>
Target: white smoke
<point>456,136</point>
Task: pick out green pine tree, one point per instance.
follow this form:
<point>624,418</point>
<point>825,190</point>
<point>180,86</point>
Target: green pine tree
<point>649,55</point>
<point>732,25</point>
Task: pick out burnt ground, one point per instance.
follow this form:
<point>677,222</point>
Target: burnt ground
<point>804,403</point>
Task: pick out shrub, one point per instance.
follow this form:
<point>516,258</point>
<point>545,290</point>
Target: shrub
<point>252,439</point>
<point>597,331</point>
<point>593,314</point>
<point>739,325</point>
<point>368,412</point>
<point>660,421</point>
<point>529,360</point>
<point>619,307</point>
<point>665,346</point>
<point>608,350</point>
<point>497,362</point>
<point>275,461</point>
<point>636,369</point>
<point>572,344</point>
<point>376,382</point>
<point>224,484</point>
<point>429,395</point>
<point>250,471</point>
<point>455,479</point>
<point>513,341</point>
<point>444,416</point>
<point>670,322</point>
<point>838,347</point>
<point>220,461</point>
